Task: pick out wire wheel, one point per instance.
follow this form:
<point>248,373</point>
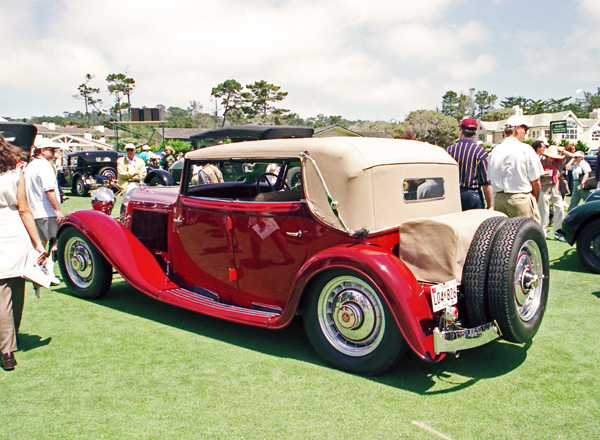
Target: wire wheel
<point>518,278</point>
<point>85,271</point>
<point>350,325</point>
<point>351,316</point>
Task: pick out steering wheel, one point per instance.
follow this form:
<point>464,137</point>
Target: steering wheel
<point>264,176</point>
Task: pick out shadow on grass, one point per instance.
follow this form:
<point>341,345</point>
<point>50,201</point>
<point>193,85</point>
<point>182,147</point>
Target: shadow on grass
<point>454,374</point>
<point>412,374</point>
<point>568,261</point>
<point>26,342</point>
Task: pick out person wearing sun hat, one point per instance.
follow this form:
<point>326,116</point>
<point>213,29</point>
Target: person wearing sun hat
<point>43,193</point>
<point>472,162</point>
<point>553,163</point>
<point>514,171</point>
<point>130,167</point>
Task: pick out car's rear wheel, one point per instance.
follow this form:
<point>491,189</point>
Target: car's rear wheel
<point>588,246</point>
<point>80,188</point>
<point>518,278</point>
<point>109,172</point>
<point>474,278</point>
<point>350,326</point>
<point>84,270</point>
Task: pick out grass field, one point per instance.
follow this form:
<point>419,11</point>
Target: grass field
<point>129,367</point>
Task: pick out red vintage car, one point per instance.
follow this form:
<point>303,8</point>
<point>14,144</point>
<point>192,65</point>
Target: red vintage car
<point>364,238</point>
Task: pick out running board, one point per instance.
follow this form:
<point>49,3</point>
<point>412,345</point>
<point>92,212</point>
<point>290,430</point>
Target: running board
<point>202,304</point>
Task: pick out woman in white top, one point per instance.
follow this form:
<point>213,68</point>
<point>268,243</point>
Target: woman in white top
<point>581,172</point>
<point>17,235</point>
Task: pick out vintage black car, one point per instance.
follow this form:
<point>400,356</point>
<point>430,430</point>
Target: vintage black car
<point>88,170</point>
<point>19,134</point>
<point>582,226</point>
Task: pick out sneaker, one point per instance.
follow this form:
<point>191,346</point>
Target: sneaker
<point>55,281</point>
<point>559,237</point>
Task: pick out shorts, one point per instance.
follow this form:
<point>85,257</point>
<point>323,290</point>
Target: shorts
<point>517,205</point>
<point>47,228</point>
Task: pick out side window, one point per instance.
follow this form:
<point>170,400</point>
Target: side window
<point>425,188</point>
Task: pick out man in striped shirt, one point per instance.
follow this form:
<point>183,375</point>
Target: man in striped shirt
<point>472,165</point>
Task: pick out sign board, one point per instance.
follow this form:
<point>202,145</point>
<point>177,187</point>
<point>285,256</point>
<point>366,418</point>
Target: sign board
<point>558,127</point>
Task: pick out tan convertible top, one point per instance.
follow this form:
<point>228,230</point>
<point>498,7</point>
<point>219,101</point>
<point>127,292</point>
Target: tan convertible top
<point>366,176</point>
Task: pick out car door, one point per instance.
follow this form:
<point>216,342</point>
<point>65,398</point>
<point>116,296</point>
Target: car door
<point>201,247</point>
<point>270,247</point>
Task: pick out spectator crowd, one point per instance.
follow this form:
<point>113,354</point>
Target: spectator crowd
<point>520,179</point>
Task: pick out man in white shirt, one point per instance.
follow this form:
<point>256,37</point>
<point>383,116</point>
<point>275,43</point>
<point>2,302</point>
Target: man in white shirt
<point>43,193</point>
<point>514,171</point>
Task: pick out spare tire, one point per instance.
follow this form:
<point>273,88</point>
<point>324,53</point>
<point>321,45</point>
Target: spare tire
<point>474,278</point>
<point>518,278</point>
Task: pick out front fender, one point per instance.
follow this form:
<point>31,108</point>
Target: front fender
<point>577,218</point>
<point>396,283</point>
<point>122,249</point>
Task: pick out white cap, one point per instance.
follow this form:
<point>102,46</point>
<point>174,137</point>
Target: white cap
<point>516,121</point>
<point>46,143</point>
<point>544,140</point>
<point>130,147</point>
<point>145,147</point>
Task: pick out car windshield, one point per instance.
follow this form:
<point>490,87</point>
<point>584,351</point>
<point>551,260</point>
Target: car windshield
<point>242,179</point>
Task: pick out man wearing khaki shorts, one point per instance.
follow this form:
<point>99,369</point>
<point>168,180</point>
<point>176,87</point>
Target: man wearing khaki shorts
<point>514,171</point>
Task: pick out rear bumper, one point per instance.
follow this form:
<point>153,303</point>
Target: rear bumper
<point>463,339</point>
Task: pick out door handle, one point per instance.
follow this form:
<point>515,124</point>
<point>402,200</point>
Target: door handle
<point>295,234</point>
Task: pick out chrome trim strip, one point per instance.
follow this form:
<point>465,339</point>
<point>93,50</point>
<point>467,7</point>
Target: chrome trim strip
<point>464,339</point>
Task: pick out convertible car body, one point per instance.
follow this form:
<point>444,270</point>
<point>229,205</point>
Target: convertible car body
<point>364,238</point>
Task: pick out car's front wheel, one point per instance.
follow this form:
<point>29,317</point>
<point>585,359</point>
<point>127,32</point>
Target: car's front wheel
<point>350,326</point>
<point>588,246</point>
<point>84,270</point>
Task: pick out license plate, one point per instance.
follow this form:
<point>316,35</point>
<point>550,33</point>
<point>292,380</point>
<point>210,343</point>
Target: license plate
<point>444,295</point>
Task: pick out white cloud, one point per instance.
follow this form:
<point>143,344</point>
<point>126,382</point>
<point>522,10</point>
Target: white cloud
<point>357,58</point>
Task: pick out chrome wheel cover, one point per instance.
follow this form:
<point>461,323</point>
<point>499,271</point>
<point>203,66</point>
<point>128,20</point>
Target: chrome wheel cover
<point>351,316</point>
<point>79,262</point>
<point>109,173</point>
<point>80,186</point>
<point>529,280</point>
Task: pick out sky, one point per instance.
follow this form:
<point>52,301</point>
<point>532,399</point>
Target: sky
<point>361,59</point>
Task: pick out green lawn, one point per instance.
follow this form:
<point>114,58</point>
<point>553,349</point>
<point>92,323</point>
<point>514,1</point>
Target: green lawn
<point>129,367</point>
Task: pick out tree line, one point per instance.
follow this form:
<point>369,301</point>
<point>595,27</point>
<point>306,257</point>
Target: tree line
<point>482,105</point>
<point>255,103</point>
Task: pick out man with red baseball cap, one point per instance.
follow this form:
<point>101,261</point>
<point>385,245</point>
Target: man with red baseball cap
<point>472,165</point>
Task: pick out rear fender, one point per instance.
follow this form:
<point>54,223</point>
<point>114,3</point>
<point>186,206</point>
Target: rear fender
<point>389,275</point>
<point>578,218</point>
<point>163,175</point>
<point>136,264</point>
